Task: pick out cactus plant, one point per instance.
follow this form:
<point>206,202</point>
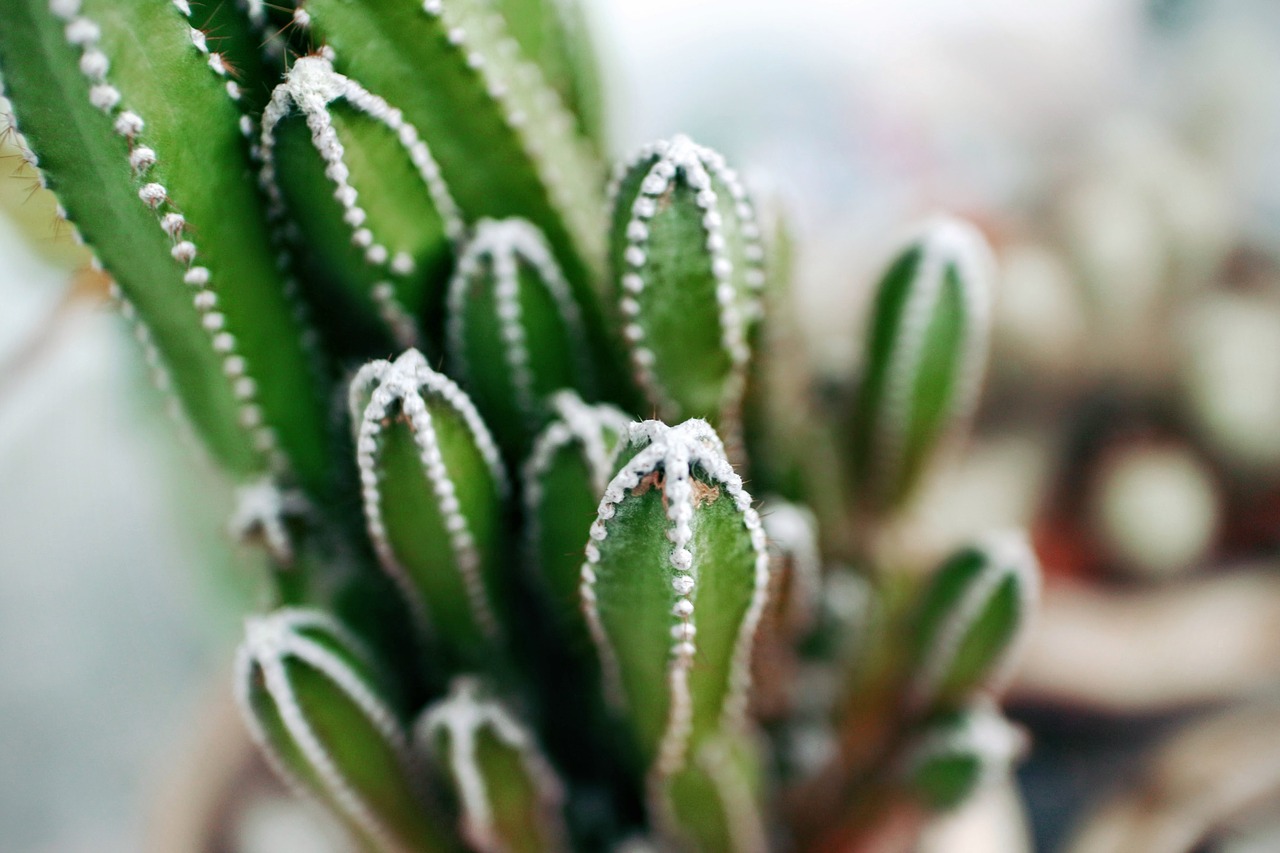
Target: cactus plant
<point>425,176</point>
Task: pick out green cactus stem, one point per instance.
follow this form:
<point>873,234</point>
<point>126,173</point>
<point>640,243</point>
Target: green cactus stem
<point>971,620</point>
<point>151,189</point>
<point>362,185</point>
<point>926,354</point>
<point>673,587</point>
<point>510,799</point>
<point>505,142</point>
<point>958,754</point>
<point>685,258</point>
<point>310,697</point>
<point>433,487</point>
<point>515,332</point>
<point>564,478</point>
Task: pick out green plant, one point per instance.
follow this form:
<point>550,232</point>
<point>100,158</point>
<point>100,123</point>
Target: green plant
<point>578,642</point>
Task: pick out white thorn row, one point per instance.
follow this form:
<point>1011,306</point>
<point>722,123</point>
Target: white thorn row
<point>674,451</point>
<point>269,642</point>
<point>505,244</point>
<point>264,509</point>
<point>673,161</point>
<point>543,125</point>
<point>311,86</point>
<point>410,381</point>
<point>84,33</point>
<point>402,325</point>
<point>943,242</point>
<point>1006,554</point>
<point>462,716</point>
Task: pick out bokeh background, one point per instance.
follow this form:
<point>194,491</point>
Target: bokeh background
<point>1123,156</point>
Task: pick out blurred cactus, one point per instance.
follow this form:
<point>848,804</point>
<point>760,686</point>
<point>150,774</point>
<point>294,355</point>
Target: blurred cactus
<point>970,618</point>
<point>428,177</point>
<point>926,353</point>
<point>958,754</point>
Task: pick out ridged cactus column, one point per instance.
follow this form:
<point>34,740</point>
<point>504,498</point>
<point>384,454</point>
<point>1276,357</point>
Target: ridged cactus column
<point>673,586</point>
<point>510,799</point>
<point>515,331</point>
<point>310,695</point>
<point>686,270</point>
<point>433,487</point>
<point>165,198</point>
<point>360,182</point>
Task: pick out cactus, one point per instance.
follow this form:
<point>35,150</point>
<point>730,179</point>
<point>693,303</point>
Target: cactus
<point>309,693</point>
<point>685,259</point>
<point>383,219</point>
<point>431,171</point>
<point>959,754</point>
<point>509,796</point>
<point>926,350</point>
<point>149,187</point>
<point>515,332</point>
<point>433,487</point>
<point>970,619</point>
<point>564,479</point>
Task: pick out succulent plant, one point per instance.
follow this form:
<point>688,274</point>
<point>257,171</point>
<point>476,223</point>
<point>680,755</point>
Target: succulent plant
<point>571,602</point>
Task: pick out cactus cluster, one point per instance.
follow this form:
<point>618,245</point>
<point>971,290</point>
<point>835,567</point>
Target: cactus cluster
<point>510,613</point>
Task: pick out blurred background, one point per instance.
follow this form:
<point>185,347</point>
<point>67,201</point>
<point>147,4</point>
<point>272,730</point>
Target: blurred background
<point>1123,156</point>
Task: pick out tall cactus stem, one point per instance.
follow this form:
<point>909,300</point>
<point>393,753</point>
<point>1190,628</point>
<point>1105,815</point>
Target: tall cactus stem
<point>503,246</point>
<point>405,381</point>
<point>672,452</point>
<point>272,640</point>
<point>310,87</point>
<point>736,291</point>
